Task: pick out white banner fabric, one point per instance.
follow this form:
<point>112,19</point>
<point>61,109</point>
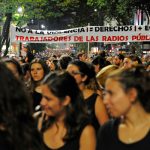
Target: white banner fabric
<point>82,34</point>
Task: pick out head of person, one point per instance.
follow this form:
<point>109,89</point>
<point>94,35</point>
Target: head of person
<point>110,59</point>
<point>64,61</point>
<point>26,48</point>
<point>14,66</point>
<point>127,62</point>
<point>127,90</point>
<point>131,61</point>
<point>118,59</point>
<point>29,53</point>
<point>16,114</point>
<point>99,62</point>
<point>62,100</point>
<point>53,64</point>
<point>146,58</point>
<point>26,72</point>
<point>81,56</point>
<point>102,54</point>
<point>136,60</point>
<point>81,71</point>
<point>103,73</point>
<point>25,68</point>
<point>38,69</point>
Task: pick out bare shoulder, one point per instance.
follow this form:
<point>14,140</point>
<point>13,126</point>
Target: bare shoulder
<point>89,129</point>
<point>88,138</point>
<point>99,99</point>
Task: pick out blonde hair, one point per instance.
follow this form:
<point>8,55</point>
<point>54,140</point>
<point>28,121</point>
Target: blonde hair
<point>104,72</point>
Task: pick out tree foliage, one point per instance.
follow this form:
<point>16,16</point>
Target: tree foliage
<point>30,9</point>
<point>9,13</point>
<point>69,13</point>
<point>121,10</point>
<point>65,14</point>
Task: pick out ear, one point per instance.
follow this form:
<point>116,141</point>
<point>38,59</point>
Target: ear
<point>66,101</point>
<point>132,95</point>
<point>84,78</point>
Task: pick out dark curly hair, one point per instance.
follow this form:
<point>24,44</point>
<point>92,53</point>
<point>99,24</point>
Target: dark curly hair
<point>16,121</point>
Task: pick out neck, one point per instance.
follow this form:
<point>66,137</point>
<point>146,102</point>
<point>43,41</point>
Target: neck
<point>81,86</point>
<point>87,92</point>
<point>60,123</point>
<point>60,119</point>
<point>136,116</point>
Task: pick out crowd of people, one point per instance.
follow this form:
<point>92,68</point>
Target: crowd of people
<point>75,103</point>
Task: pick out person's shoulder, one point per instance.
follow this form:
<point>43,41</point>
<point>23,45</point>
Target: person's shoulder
<point>85,127</point>
<point>106,135</point>
<point>110,124</point>
<point>88,138</point>
<point>108,127</point>
<point>88,129</point>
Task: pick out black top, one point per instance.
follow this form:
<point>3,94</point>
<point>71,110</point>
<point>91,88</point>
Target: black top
<point>90,102</point>
<point>108,139</point>
<point>73,144</point>
<point>36,99</point>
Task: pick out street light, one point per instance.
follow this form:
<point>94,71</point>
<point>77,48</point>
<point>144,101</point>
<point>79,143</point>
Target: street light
<point>95,10</point>
<point>20,15</point>
<point>32,21</point>
<point>42,26</point>
<point>19,10</point>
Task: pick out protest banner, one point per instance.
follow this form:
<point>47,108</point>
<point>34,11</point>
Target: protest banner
<point>82,34</point>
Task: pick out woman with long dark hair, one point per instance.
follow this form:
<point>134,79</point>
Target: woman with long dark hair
<point>64,123</point>
<point>17,126</point>
<point>85,77</point>
<point>38,70</point>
